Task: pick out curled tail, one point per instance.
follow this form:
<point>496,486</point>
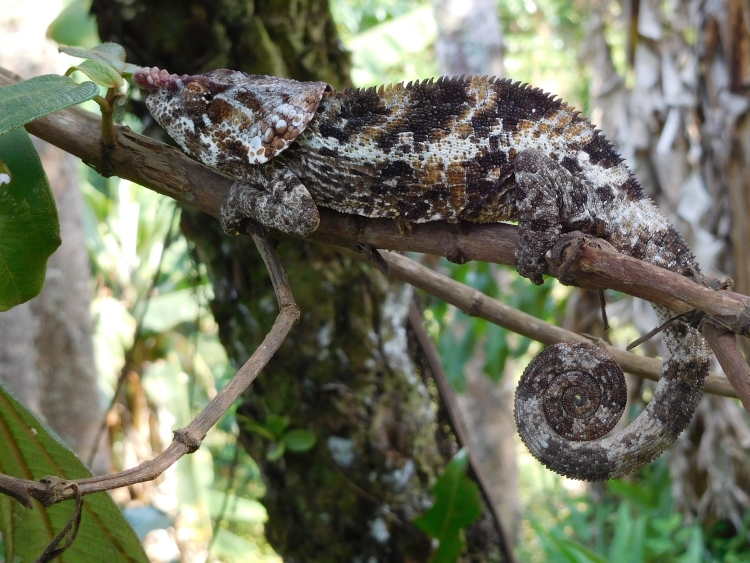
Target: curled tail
<point>571,392</point>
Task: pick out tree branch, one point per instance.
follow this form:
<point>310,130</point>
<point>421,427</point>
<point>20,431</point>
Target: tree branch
<point>477,304</point>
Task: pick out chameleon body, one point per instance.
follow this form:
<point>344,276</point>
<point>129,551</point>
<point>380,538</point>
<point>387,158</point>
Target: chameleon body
<point>474,149</point>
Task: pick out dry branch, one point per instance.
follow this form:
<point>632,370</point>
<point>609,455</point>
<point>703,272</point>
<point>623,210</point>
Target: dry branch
<point>188,439</point>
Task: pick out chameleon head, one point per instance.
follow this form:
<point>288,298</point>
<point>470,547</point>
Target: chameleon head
<point>229,119</point>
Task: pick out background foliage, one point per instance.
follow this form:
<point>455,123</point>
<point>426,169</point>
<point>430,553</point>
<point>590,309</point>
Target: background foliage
<point>155,335</point>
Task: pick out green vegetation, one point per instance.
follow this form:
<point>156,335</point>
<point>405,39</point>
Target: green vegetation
<point>156,336</point>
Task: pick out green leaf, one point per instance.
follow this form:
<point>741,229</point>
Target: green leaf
<point>623,535</point>
<point>275,451</point>
<point>100,72</point>
<point>29,229</point>
<point>235,548</point>
<point>300,440</point>
<point>110,54</point>
<point>235,509</point>
<point>496,351</point>
<point>456,355</point>
<point>167,310</point>
<point>456,506</point>
<point>31,99</point>
<point>31,451</point>
<point>276,425</point>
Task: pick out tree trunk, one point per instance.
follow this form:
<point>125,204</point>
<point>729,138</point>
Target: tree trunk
<point>349,373</point>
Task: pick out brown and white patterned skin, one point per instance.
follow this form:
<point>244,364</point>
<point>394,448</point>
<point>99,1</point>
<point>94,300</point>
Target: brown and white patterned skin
<point>473,149</point>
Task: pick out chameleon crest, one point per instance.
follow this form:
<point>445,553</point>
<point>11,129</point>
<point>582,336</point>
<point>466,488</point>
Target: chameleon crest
<point>229,119</point>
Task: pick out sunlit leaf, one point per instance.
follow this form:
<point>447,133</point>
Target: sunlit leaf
<point>101,73</point>
<point>578,553</point>
<point>234,508</point>
<point>74,25</point>
<point>110,54</point>
<point>167,310</point>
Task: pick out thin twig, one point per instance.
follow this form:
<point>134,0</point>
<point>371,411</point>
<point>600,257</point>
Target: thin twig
<point>69,531</point>
<point>477,304</point>
<point>724,345</point>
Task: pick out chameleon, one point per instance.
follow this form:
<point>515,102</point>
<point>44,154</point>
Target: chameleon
<point>472,149</point>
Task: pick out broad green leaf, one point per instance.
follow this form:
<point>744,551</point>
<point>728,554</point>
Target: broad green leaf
<point>623,535</point>
<point>449,549</point>
<point>31,99</point>
<point>633,492</point>
<point>31,451</point>
<point>167,310</point>
<point>253,426</point>
<point>456,506</point>
<point>578,553</point>
<point>497,351</point>
<point>29,229</point>
<point>74,25</point>
<point>299,440</point>
<point>100,72</point>
<point>232,545</point>
<point>7,544</point>
<point>111,51</point>
<point>456,354</point>
<point>694,552</point>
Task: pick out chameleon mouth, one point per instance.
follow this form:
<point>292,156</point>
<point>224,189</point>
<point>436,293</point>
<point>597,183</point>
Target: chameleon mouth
<point>154,78</point>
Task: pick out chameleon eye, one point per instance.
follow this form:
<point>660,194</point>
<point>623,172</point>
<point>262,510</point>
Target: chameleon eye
<point>196,99</point>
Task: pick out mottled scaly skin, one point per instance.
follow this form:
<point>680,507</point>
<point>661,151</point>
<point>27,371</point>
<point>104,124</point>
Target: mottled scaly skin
<point>474,149</point>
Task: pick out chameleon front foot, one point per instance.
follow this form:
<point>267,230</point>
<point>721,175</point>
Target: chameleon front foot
<point>286,207</point>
